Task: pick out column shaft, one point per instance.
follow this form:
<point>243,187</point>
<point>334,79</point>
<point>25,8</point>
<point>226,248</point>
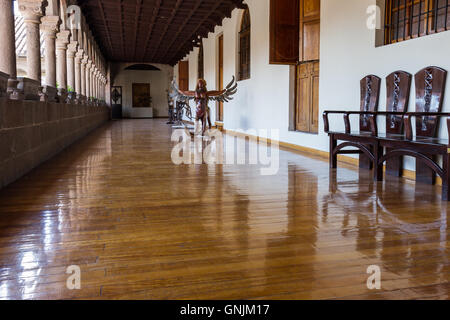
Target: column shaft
<point>7,34</point>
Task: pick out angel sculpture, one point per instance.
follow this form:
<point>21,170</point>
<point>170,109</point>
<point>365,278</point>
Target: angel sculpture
<point>201,96</point>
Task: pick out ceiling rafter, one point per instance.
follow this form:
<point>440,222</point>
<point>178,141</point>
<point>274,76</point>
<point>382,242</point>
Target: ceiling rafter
<point>153,31</point>
<point>166,27</point>
<point>102,12</point>
<point>136,25</point>
<point>121,26</point>
<point>197,5</point>
<point>213,9</point>
<point>152,25</point>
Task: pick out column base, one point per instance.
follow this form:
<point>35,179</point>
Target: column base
<point>29,88</point>
<point>13,93</point>
<point>62,95</point>
<point>75,97</point>
<point>71,97</point>
<point>3,84</point>
<point>49,94</point>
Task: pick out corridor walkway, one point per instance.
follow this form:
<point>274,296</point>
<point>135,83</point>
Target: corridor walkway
<point>139,227</point>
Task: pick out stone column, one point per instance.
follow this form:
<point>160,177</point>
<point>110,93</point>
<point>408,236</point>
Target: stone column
<point>49,27</point>
<point>71,50</point>
<point>96,84</point>
<point>7,49</point>
<point>31,10</point>
<point>62,39</point>
<point>78,57</point>
<point>83,77</point>
<point>88,79</point>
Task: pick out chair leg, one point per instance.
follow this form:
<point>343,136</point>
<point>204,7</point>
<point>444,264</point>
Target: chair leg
<point>394,166</point>
<point>446,180</point>
<point>378,168</point>
<point>425,174</point>
<point>333,157</point>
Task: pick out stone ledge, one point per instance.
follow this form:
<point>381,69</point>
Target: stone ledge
<point>32,132</point>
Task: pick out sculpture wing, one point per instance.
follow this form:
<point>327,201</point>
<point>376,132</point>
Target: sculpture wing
<point>178,95</point>
<point>225,95</point>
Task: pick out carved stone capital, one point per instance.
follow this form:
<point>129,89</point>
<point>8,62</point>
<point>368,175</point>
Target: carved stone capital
<point>62,39</point>
<point>72,48</point>
<point>31,10</point>
<point>50,25</point>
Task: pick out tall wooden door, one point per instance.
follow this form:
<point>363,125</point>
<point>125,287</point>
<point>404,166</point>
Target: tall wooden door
<point>219,113</point>
<point>307,111</point>
<point>183,75</point>
<point>141,95</point>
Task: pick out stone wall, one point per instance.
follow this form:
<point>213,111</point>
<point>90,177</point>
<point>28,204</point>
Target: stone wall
<point>32,132</point>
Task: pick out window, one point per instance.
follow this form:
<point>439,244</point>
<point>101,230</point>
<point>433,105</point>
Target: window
<point>407,19</point>
<point>201,73</point>
<point>244,47</point>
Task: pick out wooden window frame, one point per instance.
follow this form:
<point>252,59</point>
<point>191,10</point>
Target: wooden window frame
<point>200,67</point>
<point>244,53</point>
<point>414,25</point>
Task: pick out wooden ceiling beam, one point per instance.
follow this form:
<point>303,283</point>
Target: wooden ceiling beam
<point>213,9</point>
<point>166,27</point>
<point>102,12</point>
<point>121,28</point>
<point>153,30</point>
<point>136,25</point>
<point>182,26</point>
<point>152,25</point>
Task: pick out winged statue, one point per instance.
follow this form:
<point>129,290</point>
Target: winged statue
<point>202,96</point>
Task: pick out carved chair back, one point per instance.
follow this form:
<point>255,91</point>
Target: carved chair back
<point>398,89</point>
<point>370,97</point>
<point>430,88</point>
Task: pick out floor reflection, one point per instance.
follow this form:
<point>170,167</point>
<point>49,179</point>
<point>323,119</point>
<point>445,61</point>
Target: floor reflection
<point>141,227</point>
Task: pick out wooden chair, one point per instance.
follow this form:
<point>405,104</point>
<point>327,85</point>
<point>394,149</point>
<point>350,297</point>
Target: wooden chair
<point>398,89</point>
<point>430,87</point>
<point>370,97</point>
<point>425,145</point>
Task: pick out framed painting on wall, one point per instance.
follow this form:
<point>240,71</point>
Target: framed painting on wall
<point>141,95</point>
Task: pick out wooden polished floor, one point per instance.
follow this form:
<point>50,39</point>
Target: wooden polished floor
<point>140,227</point>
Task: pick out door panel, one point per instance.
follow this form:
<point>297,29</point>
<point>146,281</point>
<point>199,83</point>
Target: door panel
<point>284,31</point>
<point>309,30</point>
<point>219,114</point>
<point>315,99</point>
<point>183,75</point>
<point>303,98</point>
<point>311,38</point>
<point>307,111</point>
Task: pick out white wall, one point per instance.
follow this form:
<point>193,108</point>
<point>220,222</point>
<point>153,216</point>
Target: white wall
<point>348,53</point>
<point>159,84</point>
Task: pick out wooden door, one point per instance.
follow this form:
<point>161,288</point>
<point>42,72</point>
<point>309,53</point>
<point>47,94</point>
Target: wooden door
<point>183,75</point>
<point>219,113</point>
<point>141,95</point>
<point>307,111</point>
<point>309,30</point>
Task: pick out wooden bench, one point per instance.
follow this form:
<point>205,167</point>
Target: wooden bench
<point>398,140</point>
